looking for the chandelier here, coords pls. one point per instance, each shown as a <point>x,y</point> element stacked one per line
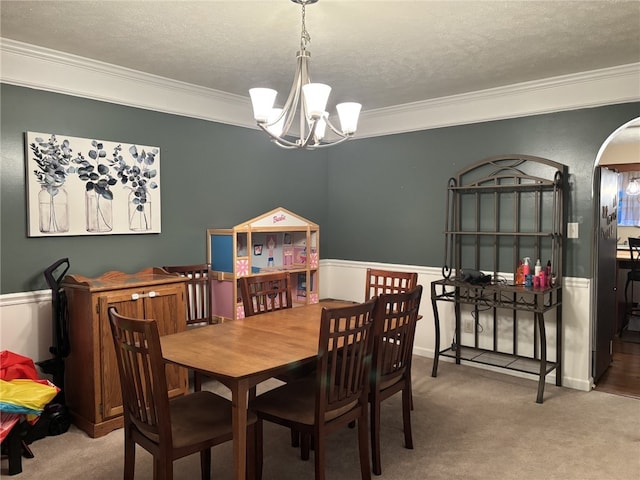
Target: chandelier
<point>307,101</point>
<point>633,188</point>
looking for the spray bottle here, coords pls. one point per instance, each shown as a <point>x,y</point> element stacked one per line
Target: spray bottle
<point>526,266</point>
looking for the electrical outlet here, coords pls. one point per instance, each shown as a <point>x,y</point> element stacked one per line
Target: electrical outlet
<point>468,326</point>
<point>572,230</point>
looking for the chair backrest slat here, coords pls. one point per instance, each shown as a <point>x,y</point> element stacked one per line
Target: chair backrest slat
<point>265,293</point>
<point>388,281</point>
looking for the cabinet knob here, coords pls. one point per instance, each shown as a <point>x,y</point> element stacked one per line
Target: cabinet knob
<point>137,296</point>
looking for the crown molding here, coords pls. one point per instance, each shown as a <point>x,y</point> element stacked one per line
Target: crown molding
<point>595,88</point>
<point>23,64</point>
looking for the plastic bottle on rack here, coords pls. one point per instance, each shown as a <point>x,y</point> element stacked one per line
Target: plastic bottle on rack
<point>526,266</point>
<point>538,268</point>
<point>520,273</point>
<point>548,273</point>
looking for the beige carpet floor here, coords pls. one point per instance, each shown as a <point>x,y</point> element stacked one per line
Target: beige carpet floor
<point>468,424</point>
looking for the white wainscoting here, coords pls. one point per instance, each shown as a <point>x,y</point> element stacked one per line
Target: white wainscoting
<point>345,280</point>
<point>26,324</point>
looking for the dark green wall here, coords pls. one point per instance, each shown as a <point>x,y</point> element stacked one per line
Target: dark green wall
<point>213,176</point>
<point>378,199</point>
<point>387,194</point>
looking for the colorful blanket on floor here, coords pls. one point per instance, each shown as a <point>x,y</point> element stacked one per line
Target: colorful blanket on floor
<point>22,393</point>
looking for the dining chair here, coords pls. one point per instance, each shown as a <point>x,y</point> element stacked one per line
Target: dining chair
<point>391,364</point>
<point>198,291</point>
<point>332,398</point>
<point>379,281</point>
<point>169,429</point>
<point>633,275</point>
<point>265,293</point>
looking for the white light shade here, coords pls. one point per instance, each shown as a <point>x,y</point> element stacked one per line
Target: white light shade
<point>262,100</point>
<point>633,188</point>
<point>321,127</point>
<point>315,98</point>
<point>276,128</point>
<point>348,113</point>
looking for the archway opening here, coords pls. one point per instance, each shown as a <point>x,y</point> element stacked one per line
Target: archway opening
<point>618,156</point>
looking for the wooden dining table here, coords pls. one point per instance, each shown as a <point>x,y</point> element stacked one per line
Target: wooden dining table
<point>242,353</point>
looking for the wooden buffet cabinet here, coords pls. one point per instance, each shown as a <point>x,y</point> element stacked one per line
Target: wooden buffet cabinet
<point>92,384</point>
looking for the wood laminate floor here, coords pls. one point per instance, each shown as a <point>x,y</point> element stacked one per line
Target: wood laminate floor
<point>623,376</point>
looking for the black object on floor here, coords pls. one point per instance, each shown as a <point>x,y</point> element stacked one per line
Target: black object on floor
<point>60,349</point>
<point>14,447</point>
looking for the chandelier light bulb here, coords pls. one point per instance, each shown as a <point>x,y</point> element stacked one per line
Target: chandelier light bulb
<point>321,126</point>
<point>262,100</point>
<point>348,113</point>
<point>316,96</point>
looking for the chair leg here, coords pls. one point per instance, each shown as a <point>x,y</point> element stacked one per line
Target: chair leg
<point>162,469</point>
<point>205,464</point>
<point>259,448</point>
<point>319,455</point>
<point>628,307</point>
<point>374,412</point>
<point>129,457</point>
<point>626,297</point>
<point>251,452</point>
<point>363,446</point>
<point>305,440</point>
<point>295,438</point>
<point>406,416</point>
<point>165,469</point>
<point>410,386</point>
<point>197,381</point>
<point>411,395</point>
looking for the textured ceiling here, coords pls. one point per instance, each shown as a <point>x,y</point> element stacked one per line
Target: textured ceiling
<point>381,53</point>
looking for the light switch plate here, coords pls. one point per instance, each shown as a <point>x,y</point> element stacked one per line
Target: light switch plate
<point>572,230</point>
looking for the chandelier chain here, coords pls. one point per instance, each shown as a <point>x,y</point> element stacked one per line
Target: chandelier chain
<point>305,38</point>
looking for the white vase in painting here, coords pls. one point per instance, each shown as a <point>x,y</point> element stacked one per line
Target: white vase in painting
<point>53,209</point>
<point>99,212</point>
<point>139,212</point>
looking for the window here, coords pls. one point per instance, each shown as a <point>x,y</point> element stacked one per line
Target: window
<point>629,199</point>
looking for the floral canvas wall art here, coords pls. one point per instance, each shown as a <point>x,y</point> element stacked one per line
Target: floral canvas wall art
<point>81,186</point>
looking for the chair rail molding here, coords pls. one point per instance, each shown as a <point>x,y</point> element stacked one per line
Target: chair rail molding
<point>26,323</point>
<point>69,74</point>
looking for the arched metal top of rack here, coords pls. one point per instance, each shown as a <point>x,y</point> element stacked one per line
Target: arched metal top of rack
<point>506,173</point>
